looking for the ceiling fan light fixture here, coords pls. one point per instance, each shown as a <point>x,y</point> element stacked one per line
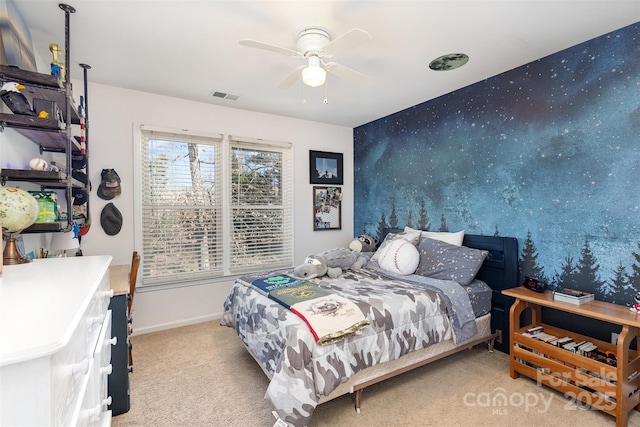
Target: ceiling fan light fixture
<point>314,75</point>
<point>315,45</point>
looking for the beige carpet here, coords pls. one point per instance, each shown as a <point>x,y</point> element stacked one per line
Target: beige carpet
<point>201,375</point>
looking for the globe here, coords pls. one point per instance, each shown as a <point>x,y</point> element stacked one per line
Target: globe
<point>18,209</point>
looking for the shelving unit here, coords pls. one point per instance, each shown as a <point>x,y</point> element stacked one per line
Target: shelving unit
<point>611,389</point>
<point>50,134</point>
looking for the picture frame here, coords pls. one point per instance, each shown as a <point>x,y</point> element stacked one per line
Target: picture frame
<point>327,208</point>
<point>325,168</point>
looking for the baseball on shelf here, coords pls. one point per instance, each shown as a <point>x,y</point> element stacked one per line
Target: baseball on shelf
<point>37,164</point>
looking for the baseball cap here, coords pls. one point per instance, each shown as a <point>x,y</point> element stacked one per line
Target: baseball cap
<point>80,195</point>
<point>110,184</point>
<point>111,219</point>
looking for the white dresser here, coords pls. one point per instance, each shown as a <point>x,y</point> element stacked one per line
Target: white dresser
<point>55,342</point>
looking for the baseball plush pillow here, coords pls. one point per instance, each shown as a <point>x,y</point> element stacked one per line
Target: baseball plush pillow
<point>399,257</point>
<point>412,237</point>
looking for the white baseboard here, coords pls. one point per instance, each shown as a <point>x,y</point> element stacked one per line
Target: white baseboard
<point>176,324</point>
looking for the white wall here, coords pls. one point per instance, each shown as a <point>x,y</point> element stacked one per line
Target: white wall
<point>15,153</point>
<point>113,112</point>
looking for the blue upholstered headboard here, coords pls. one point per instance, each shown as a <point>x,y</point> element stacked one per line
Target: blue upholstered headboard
<point>499,271</point>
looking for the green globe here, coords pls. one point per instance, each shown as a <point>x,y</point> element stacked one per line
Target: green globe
<point>18,209</point>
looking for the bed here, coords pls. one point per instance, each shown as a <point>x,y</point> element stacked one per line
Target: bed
<point>412,320</point>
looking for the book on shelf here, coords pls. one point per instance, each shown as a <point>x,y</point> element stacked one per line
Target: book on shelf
<point>563,341</point>
<point>588,349</point>
<point>570,346</point>
<point>544,337</point>
<point>572,296</point>
<point>576,348</point>
<point>536,330</point>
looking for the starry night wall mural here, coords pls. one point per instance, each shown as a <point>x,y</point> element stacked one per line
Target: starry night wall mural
<point>548,153</point>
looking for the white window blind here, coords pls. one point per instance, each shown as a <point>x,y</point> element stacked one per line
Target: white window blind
<point>261,206</point>
<point>212,206</point>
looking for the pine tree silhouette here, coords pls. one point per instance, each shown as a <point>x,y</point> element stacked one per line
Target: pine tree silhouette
<point>634,276</point>
<point>393,218</point>
<point>423,218</point>
<point>587,271</point>
<point>382,225</point>
<point>623,290</point>
<point>567,276</point>
<point>529,260</point>
<point>410,220</point>
<point>443,224</point>
<point>497,232</point>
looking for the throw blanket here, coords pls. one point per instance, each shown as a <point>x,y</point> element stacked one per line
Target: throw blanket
<point>330,317</point>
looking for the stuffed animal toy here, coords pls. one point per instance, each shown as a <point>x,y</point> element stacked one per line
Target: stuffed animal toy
<point>364,243</point>
<point>636,307</point>
<point>330,263</point>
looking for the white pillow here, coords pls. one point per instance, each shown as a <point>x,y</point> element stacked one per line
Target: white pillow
<point>451,238</point>
<point>399,256</point>
<point>409,234</point>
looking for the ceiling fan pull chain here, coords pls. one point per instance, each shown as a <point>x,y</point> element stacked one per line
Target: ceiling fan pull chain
<point>326,94</point>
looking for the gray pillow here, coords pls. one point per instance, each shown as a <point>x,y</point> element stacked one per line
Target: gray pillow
<point>442,260</point>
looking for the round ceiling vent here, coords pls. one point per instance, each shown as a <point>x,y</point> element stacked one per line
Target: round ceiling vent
<point>448,62</point>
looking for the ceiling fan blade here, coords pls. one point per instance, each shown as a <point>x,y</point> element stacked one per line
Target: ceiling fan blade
<point>347,73</point>
<point>270,47</point>
<point>290,78</point>
<point>352,38</point>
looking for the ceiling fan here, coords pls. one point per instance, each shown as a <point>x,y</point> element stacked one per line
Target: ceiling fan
<point>315,45</point>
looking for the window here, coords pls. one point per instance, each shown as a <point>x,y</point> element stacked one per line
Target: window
<point>212,205</point>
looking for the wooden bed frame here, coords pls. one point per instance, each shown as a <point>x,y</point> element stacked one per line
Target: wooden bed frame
<point>499,271</point>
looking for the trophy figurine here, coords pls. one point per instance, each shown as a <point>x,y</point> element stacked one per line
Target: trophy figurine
<point>57,68</point>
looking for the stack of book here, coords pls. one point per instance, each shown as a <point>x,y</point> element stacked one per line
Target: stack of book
<point>572,296</point>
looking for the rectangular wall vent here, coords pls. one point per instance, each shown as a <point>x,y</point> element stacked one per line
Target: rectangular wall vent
<point>223,95</point>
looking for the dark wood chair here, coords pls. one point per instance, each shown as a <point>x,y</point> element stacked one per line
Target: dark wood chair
<point>133,278</point>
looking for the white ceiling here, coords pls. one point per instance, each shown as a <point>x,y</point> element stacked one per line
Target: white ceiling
<point>189,49</point>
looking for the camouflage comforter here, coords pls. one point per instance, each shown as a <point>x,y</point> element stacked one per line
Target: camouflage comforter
<point>403,317</point>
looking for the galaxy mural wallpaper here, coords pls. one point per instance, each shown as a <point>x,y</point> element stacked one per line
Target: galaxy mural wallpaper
<point>548,153</point>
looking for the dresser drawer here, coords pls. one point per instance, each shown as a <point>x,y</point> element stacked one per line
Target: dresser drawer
<point>70,371</point>
<point>97,310</point>
<point>95,401</point>
<point>73,366</point>
<point>103,364</point>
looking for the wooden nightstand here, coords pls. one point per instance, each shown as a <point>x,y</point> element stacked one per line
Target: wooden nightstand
<point>612,389</point>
